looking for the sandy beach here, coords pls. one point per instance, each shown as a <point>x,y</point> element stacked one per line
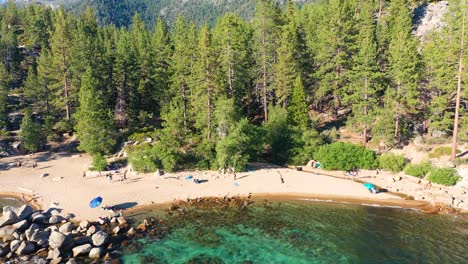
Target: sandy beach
<point>64,186</point>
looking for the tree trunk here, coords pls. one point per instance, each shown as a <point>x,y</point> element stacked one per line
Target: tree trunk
<point>184,99</point>
<point>230,73</point>
<point>380,8</point>
<point>366,112</point>
<point>459,87</point>
<point>265,100</point>
<point>397,114</point>
<point>66,92</point>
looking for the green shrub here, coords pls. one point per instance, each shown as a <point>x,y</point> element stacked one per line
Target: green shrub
<point>143,158</point>
<point>345,156</point>
<point>441,151</point>
<point>392,162</point>
<point>419,170</point>
<point>99,163</point>
<point>445,176</point>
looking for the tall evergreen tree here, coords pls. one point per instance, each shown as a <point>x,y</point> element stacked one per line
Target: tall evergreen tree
<point>403,63</point>
<point>364,76</point>
<point>59,70</point>
<point>266,24</point>
<point>297,109</point>
<point>97,138</point>
<point>334,42</point>
<point>232,37</point>
<point>285,69</point>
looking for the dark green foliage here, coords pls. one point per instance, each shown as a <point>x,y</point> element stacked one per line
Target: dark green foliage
<point>94,127</point>
<point>445,176</point>
<point>99,162</point>
<point>305,147</point>
<point>297,108</point>
<point>3,96</point>
<point>345,156</point>
<point>144,158</point>
<point>32,133</point>
<point>392,162</point>
<point>278,135</point>
<point>239,147</point>
<point>419,170</point>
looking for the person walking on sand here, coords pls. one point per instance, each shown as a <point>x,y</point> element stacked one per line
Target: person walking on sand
<point>84,174</point>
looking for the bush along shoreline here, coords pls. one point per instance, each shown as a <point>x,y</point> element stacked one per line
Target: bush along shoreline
<point>37,236</point>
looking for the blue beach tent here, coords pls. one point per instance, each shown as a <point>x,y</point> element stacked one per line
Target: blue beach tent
<point>369,185</point>
<point>95,202</point>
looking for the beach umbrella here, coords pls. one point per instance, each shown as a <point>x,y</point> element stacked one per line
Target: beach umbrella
<point>369,185</point>
<point>95,202</point>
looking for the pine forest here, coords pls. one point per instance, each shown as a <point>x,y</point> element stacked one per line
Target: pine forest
<point>273,88</point>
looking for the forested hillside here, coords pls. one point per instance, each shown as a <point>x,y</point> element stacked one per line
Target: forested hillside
<point>120,12</point>
<point>274,88</point>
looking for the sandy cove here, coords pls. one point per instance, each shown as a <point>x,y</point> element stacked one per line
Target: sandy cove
<point>65,187</point>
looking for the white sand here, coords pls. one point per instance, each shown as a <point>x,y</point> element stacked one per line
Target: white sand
<point>66,187</point>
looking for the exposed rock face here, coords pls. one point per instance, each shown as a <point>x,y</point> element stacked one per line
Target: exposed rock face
<point>428,17</point>
<point>83,249</point>
<point>100,238</point>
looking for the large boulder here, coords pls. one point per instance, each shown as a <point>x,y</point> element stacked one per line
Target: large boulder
<point>7,231</point>
<point>56,240</point>
<point>99,238</point>
<point>80,250</point>
<point>55,219</point>
<point>40,218</point>
<point>96,253</point>
<point>9,216</point>
<point>21,225</point>
<point>66,228</point>
<point>24,212</point>
<point>25,248</point>
<point>39,235</point>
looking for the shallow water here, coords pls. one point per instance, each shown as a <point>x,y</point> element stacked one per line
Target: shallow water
<point>305,232</point>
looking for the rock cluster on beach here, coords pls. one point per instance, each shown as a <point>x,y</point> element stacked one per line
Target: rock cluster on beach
<point>37,236</point>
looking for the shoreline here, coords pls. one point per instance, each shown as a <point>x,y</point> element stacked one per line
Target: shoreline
<point>22,197</point>
<point>285,197</point>
<point>58,182</point>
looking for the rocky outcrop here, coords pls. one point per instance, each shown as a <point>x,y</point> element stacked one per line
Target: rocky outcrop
<point>429,17</point>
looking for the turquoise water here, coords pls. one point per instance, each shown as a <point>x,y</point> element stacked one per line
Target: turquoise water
<point>305,232</point>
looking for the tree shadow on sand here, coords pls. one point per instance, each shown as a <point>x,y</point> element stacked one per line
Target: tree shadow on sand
<point>125,206</point>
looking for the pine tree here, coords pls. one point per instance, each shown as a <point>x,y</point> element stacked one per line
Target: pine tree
<point>181,67</point>
<point>97,138</point>
<point>231,37</point>
<point>32,133</point>
<point>297,109</point>
<point>266,24</point>
<point>206,86</point>
<point>285,68</point>
<point>364,76</point>
<point>403,63</point>
<point>334,41</point>
<point>59,70</point>
<point>161,44</point>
